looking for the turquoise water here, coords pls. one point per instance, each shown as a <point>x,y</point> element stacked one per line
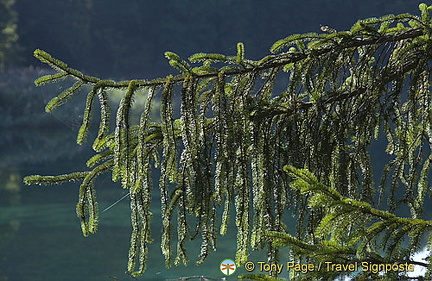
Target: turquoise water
<point>45,240</point>
<point>40,235</point>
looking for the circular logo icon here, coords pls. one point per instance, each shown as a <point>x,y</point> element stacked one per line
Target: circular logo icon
<point>228,267</point>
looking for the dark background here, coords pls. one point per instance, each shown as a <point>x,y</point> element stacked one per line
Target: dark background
<point>128,38</point>
<point>40,237</point>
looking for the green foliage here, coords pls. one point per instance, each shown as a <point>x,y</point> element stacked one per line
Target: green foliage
<point>350,231</point>
<point>236,131</point>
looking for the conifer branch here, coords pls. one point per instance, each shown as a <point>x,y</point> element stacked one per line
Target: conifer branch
<point>338,208</point>
<point>268,62</point>
<point>238,135</point>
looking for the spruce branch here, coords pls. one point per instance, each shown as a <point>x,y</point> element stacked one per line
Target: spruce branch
<point>238,136</point>
<point>374,223</point>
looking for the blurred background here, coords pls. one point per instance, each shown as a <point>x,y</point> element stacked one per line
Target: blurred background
<point>40,236</point>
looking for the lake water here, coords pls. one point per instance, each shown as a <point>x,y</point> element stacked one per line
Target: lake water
<point>42,240</point>
<point>40,235</point>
